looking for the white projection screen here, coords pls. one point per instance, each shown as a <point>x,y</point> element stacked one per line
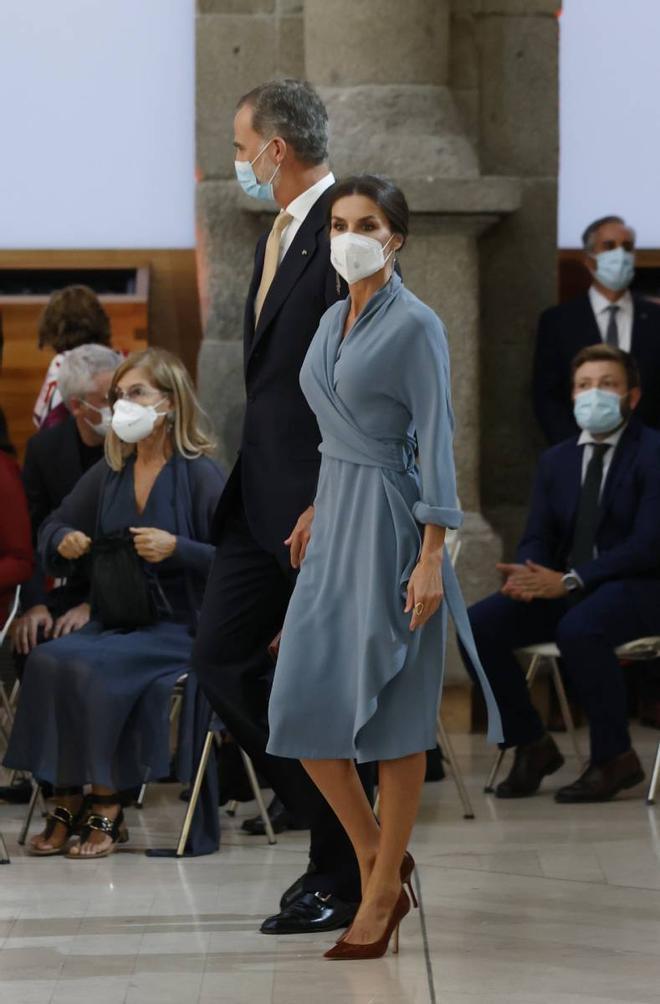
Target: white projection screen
<point>98,121</point>
<point>97,117</point>
<point>610,123</point>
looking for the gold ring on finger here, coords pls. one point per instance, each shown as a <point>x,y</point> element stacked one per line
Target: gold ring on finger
<point>419,609</point>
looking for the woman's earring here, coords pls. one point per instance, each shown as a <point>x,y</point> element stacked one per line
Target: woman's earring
<point>338,283</point>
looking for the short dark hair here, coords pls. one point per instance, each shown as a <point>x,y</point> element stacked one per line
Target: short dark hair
<point>609,354</point>
<point>293,110</point>
<point>383,192</point>
<point>73,316</point>
<point>593,228</point>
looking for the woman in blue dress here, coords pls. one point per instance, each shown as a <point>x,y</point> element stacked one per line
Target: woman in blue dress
<point>93,707</point>
<point>360,663</point>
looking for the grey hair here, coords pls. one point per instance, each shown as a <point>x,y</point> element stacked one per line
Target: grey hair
<point>80,366</point>
<point>293,110</point>
<point>590,233</point>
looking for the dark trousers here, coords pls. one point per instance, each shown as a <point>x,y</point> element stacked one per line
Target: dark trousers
<point>586,634</point>
<point>244,606</point>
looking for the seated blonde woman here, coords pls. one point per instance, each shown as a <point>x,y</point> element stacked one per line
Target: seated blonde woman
<point>87,714</point>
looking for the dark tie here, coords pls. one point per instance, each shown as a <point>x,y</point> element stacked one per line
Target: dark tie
<point>584,535</point>
<point>612,332</point>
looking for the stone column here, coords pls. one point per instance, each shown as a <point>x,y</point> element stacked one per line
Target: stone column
<point>382,68</point>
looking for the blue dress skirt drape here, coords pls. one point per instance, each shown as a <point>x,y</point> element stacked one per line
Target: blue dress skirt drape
<point>351,680</point>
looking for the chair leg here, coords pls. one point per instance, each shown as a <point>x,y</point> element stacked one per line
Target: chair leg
<point>194,794</point>
<point>655,777</point>
<point>5,703</point>
<point>232,807</point>
<point>566,715</point>
<point>4,853</point>
<point>489,787</point>
<point>448,751</point>
<point>36,792</point>
<point>139,801</point>
<point>261,805</point>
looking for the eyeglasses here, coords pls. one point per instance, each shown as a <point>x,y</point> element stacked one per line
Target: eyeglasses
<point>137,394</point>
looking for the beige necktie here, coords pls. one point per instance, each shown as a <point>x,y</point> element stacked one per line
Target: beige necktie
<point>271,261</point>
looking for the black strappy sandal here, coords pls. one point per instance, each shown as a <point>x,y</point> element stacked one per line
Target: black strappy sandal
<point>113,828</point>
<point>65,817</point>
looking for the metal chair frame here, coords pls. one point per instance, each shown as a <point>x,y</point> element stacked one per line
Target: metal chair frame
<point>639,650</point>
<point>214,735</point>
<point>655,778</point>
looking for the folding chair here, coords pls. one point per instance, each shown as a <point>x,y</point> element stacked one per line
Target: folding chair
<point>639,650</point>
<point>5,703</point>
<point>214,734</point>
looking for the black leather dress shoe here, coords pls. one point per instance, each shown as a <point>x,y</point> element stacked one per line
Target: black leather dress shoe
<point>281,820</point>
<point>601,783</point>
<point>294,892</point>
<point>531,764</point>
<point>310,912</point>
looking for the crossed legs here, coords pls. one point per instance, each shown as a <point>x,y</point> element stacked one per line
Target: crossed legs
<point>379,847</point>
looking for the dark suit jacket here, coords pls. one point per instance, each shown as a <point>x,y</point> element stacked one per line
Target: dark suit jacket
<point>51,469</point>
<point>277,470</point>
<point>628,534</point>
<point>566,329</point>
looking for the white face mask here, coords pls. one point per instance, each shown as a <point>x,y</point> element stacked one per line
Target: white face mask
<point>356,257</point>
<point>100,428</point>
<point>133,422</point>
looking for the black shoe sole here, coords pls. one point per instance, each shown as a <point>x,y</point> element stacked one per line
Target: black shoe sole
<point>315,929</point>
<point>629,782</point>
<point>550,768</point>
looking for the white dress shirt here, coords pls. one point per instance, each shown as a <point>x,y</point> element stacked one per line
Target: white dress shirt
<point>587,440</point>
<point>300,208</point>
<point>624,315</point>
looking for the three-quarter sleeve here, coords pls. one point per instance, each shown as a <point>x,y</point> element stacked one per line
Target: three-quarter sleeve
<point>427,394</point>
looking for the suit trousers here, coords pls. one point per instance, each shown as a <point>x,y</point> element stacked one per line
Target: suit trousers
<point>246,599</point>
<point>586,634</point>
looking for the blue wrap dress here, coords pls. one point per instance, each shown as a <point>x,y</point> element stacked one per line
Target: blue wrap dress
<point>352,680</point>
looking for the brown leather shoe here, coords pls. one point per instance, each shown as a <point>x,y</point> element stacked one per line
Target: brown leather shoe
<point>601,783</point>
<point>531,764</point>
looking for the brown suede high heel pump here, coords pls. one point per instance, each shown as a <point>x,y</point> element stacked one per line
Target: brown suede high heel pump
<point>407,869</point>
<point>375,949</point>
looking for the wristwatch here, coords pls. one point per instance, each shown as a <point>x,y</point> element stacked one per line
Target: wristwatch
<point>571,582</point>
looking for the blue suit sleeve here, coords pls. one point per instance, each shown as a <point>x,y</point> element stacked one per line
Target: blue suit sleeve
<point>427,394</point>
<point>539,540</point>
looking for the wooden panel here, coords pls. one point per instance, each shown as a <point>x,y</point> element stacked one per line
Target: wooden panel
<point>170,319</point>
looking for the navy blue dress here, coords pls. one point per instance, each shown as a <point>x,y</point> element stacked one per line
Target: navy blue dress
<point>94,705</point>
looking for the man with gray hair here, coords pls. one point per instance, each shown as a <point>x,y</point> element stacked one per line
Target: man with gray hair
<point>281,151</point>
<point>607,313</point>
<point>55,459</point>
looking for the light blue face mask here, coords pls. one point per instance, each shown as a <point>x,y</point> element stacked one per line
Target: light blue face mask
<point>249,182</point>
<point>598,411</point>
<point>615,269</point>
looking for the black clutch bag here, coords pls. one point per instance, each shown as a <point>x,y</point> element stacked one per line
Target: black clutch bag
<point>121,595</point>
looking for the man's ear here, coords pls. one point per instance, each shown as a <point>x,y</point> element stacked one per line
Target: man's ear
<point>634,397</point>
<point>74,405</point>
<point>589,261</point>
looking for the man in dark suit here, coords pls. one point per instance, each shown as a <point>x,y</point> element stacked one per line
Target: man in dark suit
<point>55,460</point>
<point>587,576</point>
<point>281,149</point>
<point>607,314</point>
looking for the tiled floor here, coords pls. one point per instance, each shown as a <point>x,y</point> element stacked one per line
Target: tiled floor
<point>531,903</point>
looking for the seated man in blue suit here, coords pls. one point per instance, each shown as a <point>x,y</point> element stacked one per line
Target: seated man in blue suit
<point>587,575</point>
